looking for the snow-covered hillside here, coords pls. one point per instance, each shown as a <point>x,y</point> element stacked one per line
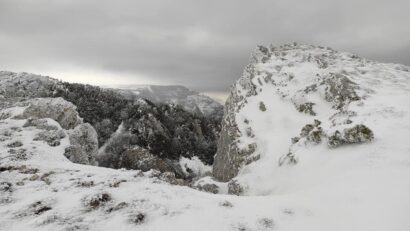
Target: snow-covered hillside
<point>40,189</point>
<point>312,139</point>
<point>301,115</point>
<point>191,101</point>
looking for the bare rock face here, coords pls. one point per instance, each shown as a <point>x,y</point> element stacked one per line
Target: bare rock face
<point>58,109</point>
<point>229,158</point>
<point>83,144</point>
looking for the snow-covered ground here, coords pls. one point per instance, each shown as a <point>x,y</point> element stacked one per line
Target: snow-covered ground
<point>364,190</point>
<point>48,192</point>
<point>363,187</point>
<point>356,169</point>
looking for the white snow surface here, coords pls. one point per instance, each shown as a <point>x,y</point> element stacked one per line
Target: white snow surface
<point>364,187</point>
<point>355,170</point>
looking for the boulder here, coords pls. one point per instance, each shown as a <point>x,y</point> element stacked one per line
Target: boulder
<point>57,109</point>
<point>83,144</point>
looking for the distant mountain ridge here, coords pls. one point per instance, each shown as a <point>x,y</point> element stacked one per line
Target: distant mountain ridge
<point>190,100</point>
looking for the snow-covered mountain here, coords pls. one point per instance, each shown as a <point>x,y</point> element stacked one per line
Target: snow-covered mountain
<point>312,139</point>
<point>190,100</point>
<point>302,114</point>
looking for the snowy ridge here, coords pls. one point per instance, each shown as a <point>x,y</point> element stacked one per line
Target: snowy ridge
<point>281,94</point>
<point>190,100</point>
<point>25,84</point>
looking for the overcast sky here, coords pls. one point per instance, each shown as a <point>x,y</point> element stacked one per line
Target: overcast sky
<point>203,44</point>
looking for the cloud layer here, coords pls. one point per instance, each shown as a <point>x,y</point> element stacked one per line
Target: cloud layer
<point>203,44</point>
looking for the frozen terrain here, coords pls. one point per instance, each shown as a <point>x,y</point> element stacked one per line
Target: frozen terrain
<point>315,182</point>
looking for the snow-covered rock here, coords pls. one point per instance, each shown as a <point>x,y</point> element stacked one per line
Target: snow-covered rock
<point>83,147</point>
<point>55,122</point>
<point>194,166</point>
<point>26,85</point>
<point>65,113</point>
<point>299,110</point>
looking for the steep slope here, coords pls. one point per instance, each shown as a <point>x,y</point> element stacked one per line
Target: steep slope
<point>303,115</point>
<point>190,100</point>
<point>165,130</point>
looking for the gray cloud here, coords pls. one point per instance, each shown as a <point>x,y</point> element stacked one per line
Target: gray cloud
<point>203,44</point>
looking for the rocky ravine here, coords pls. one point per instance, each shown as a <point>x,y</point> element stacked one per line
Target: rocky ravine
<point>132,133</point>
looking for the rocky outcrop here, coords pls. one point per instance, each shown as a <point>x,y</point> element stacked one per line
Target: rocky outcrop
<point>229,157</point>
<point>354,135</point>
<point>340,90</point>
<point>58,109</point>
<point>83,144</point>
<point>83,139</point>
<point>320,83</point>
<point>26,85</point>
